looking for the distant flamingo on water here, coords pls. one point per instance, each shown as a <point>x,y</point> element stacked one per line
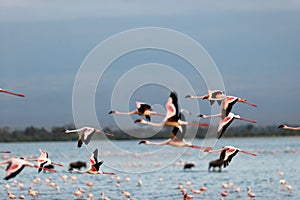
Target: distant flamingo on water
<point>16,165</point>
<point>283,126</point>
<point>176,140</point>
<point>228,152</point>
<point>44,160</point>
<point>173,115</point>
<point>94,166</point>
<point>143,109</point>
<point>212,96</point>
<point>85,134</point>
<point>12,93</point>
<point>249,193</point>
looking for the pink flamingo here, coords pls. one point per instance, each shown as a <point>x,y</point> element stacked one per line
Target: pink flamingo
<point>16,165</point>
<point>94,166</point>
<point>85,134</point>
<point>173,115</point>
<point>44,160</point>
<point>228,152</point>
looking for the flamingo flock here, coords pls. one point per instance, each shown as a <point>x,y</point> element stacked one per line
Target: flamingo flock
<point>173,117</point>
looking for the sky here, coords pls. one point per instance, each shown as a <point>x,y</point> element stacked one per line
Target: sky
<point>254,44</point>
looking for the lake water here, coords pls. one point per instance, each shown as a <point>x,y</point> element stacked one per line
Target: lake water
<point>159,170</point>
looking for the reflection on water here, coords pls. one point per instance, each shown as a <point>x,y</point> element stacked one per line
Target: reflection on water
<point>160,170</point>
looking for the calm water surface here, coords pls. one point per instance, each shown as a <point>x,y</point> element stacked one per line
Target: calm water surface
<point>160,171</point>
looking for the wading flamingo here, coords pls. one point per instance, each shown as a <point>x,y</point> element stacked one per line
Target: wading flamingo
<point>143,109</point>
<point>12,93</point>
<point>173,115</point>
<point>86,134</point>
<point>16,165</point>
<point>94,166</point>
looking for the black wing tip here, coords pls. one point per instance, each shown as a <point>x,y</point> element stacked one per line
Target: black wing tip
<point>79,144</point>
<point>148,118</point>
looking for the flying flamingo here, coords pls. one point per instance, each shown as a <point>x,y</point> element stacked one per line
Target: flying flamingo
<point>227,106</point>
<point>173,115</point>
<point>228,103</point>
<point>16,165</point>
<point>212,96</point>
<point>176,140</point>
<point>143,109</point>
<point>12,93</point>
<point>85,134</point>
<point>283,126</point>
<point>228,152</point>
<point>44,160</point>
<point>94,166</point>
<point>224,123</point>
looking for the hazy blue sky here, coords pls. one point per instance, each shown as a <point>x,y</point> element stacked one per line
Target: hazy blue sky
<point>255,44</point>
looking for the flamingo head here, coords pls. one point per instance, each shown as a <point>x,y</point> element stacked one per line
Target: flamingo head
<point>281,126</point>
<point>188,96</point>
<point>201,115</point>
<point>112,112</point>
<point>140,121</point>
<point>205,97</point>
<point>143,142</point>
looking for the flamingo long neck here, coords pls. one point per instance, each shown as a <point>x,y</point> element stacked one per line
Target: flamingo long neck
<point>126,113</point>
<point>211,116</point>
<point>292,128</point>
<point>73,131</point>
<point>198,97</point>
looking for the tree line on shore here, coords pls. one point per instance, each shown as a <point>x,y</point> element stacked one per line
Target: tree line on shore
<point>31,133</point>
